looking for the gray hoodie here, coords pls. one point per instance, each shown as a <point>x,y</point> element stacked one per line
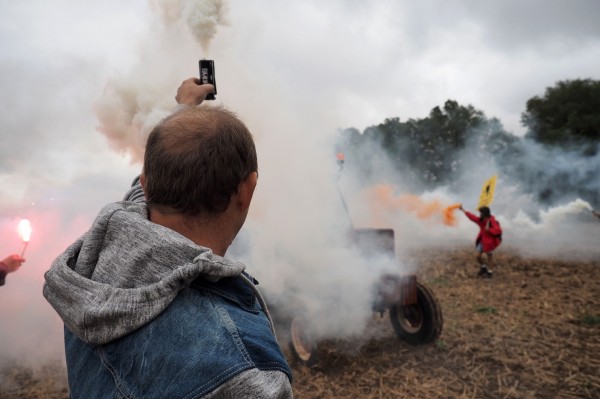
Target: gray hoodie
<point>125,271</point>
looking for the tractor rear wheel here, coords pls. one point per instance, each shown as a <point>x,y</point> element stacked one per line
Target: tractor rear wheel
<point>420,323</point>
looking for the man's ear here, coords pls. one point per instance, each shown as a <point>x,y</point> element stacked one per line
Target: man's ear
<point>246,191</point>
<point>143,183</point>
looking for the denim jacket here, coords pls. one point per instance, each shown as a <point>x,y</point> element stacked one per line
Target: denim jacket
<point>149,314</point>
<point>163,360</point>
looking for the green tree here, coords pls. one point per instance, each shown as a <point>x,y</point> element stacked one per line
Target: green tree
<point>434,143</point>
<point>427,150</point>
<point>569,113</point>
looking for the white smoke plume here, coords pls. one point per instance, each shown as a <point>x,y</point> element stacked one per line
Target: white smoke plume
<point>134,102</point>
<point>203,17</point>
<point>304,251</point>
<point>295,240</point>
<point>278,72</point>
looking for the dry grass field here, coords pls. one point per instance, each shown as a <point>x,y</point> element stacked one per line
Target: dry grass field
<point>533,331</point>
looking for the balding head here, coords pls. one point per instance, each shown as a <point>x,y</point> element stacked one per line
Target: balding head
<point>196,159</point>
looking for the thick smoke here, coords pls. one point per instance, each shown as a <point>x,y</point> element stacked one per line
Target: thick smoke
<point>292,97</point>
<point>134,102</point>
<point>544,199</point>
<point>203,17</point>
<point>296,240</point>
<point>556,175</point>
<point>31,332</point>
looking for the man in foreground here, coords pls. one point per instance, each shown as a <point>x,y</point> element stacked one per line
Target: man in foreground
<point>152,308</point>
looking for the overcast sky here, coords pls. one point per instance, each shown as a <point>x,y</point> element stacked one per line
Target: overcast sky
<point>338,63</point>
<point>292,70</point>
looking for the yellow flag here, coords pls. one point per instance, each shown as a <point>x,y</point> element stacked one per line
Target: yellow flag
<point>487,192</point>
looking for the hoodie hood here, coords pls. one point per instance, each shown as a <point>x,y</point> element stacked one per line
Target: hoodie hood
<point>124,272</point>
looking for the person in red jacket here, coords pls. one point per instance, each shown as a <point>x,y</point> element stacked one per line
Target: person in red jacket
<point>488,239</point>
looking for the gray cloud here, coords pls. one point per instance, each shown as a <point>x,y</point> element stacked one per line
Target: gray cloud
<point>515,24</point>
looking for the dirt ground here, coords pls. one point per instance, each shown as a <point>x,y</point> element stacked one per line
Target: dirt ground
<point>533,331</point>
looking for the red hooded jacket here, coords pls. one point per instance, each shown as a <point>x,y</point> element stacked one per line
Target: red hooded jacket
<point>490,238</point>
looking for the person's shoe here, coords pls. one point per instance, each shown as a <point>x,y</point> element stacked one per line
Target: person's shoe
<point>483,271</point>
<point>488,274</point>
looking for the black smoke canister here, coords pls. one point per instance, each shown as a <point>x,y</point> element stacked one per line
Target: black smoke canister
<point>207,75</point>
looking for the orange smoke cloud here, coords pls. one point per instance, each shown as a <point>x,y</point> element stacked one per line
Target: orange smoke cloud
<point>383,196</point>
<point>449,216</point>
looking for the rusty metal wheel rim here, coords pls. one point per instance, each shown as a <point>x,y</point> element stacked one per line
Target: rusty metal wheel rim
<point>300,342</point>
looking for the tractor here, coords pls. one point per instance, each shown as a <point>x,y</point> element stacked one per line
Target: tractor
<point>414,312</point>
